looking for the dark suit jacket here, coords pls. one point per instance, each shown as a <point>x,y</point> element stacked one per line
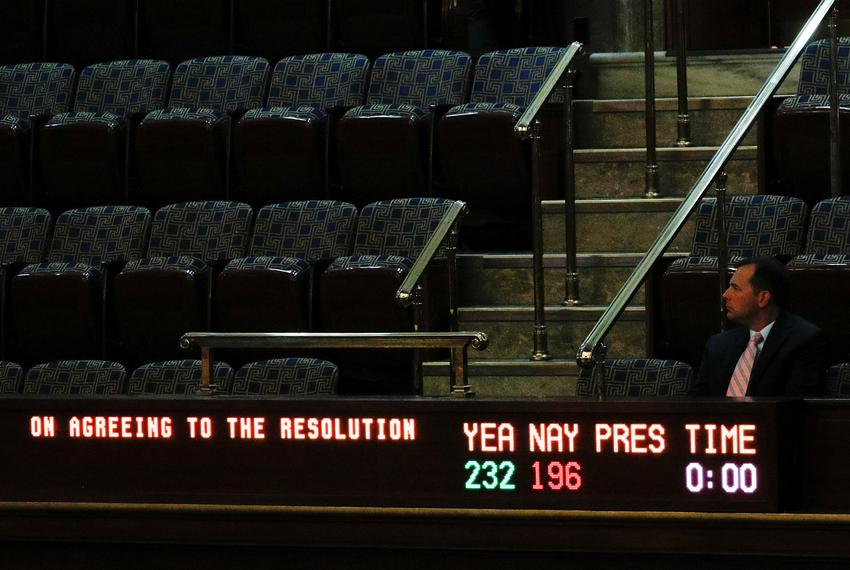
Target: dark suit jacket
<point>792,361</point>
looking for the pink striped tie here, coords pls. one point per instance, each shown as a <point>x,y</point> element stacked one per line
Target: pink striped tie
<point>741,376</point>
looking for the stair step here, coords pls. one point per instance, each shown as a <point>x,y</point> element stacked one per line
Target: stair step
<point>619,123</point>
<point>616,225</point>
<point>621,75</point>
<point>507,279</point>
<point>510,329</point>
<point>621,173</point>
<point>509,378</point>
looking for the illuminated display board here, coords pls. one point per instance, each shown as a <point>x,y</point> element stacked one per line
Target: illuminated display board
<point>694,456</point>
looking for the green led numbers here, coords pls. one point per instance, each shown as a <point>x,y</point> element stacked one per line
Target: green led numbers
<point>490,476</point>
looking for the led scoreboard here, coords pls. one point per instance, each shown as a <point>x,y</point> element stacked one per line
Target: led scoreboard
<point>635,455</point>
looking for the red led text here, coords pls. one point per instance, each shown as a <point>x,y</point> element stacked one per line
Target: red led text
<point>43,426</point>
<point>120,427</point>
<point>489,437</point>
<point>551,437</point>
<point>200,426</point>
<point>338,429</point>
<point>630,438</point>
<point>247,428</point>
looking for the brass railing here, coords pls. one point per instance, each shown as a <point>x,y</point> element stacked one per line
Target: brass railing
<point>528,127</point>
<point>410,291</point>
<point>457,342</point>
<point>593,350</point>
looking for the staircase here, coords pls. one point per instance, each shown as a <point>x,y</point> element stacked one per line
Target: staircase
<point>616,224</point>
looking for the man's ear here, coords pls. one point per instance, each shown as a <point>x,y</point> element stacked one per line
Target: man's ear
<point>764,298</point>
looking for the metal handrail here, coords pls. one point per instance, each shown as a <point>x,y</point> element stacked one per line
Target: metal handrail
<point>523,126</point>
<point>587,351</point>
<point>458,342</point>
<point>404,295</point>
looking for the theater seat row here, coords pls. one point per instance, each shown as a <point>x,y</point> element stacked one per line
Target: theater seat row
<point>106,290</point>
<point>317,132</point>
<point>683,299</point>
<point>98,378</point>
<point>655,378</point>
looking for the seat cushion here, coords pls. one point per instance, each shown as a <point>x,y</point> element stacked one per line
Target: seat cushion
<point>700,263</point>
<point>13,122</point>
<point>400,264</point>
<point>110,120</point>
<point>184,263</point>
<point>60,267</point>
<point>508,108</point>
<point>820,260</point>
<point>387,110</point>
<point>292,265</point>
<point>205,115</point>
<point>301,113</point>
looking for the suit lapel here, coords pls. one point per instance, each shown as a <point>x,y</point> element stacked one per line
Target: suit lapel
<point>777,337</point>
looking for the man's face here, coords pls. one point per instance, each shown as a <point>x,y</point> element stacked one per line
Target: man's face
<point>743,304</point>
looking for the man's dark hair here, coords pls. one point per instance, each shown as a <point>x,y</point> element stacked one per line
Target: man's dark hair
<point>770,275</point>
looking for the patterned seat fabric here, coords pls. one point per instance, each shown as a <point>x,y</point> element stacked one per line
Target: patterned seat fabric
<point>176,378</point>
<point>287,377</point>
<point>482,160</point>
<point>756,225</point>
<point>838,381</point>
<point>76,378</point>
<point>35,88</point>
<point>289,239</point>
<point>82,152</point>
<point>162,296</point>
<point>182,152</point>
<point>385,146</point>
<point>281,149</point>
<point>31,89</point>
<point>357,292</point>
<point>639,378</point>
<point>814,68</point>
<point>829,227</point>
<point>68,287</point>
<point>11,374</point>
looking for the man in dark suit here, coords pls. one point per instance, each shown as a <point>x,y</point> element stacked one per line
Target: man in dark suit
<point>774,353</point>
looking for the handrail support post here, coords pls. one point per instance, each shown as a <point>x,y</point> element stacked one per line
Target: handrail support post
<point>651,179</point>
<point>206,370</point>
<point>683,119</point>
<point>541,338</point>
<point>571,283</point>
<point>722,248</point>
<point>834,106</point>
<point>457,374</point>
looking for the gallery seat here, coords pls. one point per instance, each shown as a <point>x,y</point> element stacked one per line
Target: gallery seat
<point>287,377</point>
<point>637,378</point>
<point>76,378</point>
<point>176,378</point>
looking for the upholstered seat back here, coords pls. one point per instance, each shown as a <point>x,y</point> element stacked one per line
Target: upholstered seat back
<point>10,378</point>
<point>814,68</point>
<point>838,381</point>
<point>76,378</point>
<point>176,378</point>
<point>35,89</point>
<point>639,377</point>
<point>398,227</point>
<point>206,230</point>
<point>757,225</point>
<point>321,80</point>
<point>23,234</point>
<point>513,75</point>
<point>100,234</point>
<point>420,78</point>
<point>287,377</point>
<point>122,87</point>
<point>223,84</point>
<point>312,230</point>
<point>829,227</point>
